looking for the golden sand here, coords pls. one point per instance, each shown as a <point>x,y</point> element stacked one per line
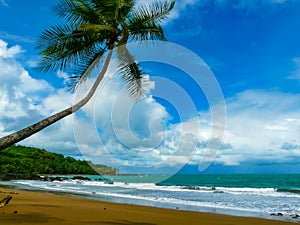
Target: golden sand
<point>28,207</point>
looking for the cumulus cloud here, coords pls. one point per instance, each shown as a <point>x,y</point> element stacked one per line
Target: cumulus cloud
<point>11,52</point>
<point>64,76</point>
<point>21,101</point>
<point>126,131</point>
<point>16,87</point>
<point>259,123</point>
<point>261,126</point>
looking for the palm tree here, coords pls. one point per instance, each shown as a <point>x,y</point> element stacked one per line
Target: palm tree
<point>91,29</point>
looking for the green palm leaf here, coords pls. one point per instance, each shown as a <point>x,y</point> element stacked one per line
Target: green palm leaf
<point>149,31</point>
<point>91,28</point>
<point>131,73</point>
<point>77,11</point>
<point>97,28</point>
<point>156,11</point>
<point>143,22</point>
<point>64,46</point>
<point>94,26</point>
<point>86,67</point>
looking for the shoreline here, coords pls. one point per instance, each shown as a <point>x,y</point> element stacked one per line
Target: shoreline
<point>37,207</point>
<point>115,197</point>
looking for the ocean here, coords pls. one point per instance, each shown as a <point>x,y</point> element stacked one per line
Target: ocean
<point>243,195</point>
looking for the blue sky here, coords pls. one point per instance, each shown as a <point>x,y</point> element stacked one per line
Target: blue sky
<point>252,49</point>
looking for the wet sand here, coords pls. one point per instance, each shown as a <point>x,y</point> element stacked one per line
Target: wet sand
<point>30,207</point>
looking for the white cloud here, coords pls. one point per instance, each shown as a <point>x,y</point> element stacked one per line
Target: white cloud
<point>261,125</point>
<point>29,84</point>
<point>114,115</point>
<point>32,63</point>
<point>21,101</point>
<point>63,75</point>
<point>11,52</point>
<point>258,125</point>
<point>10,109</point>
<point>118,133</point>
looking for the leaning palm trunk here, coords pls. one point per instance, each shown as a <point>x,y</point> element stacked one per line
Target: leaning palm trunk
<point>90,28</point>
<point>30,130</point>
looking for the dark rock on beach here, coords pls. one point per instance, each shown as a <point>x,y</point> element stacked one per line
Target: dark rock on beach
<point>57,178</point>
<point>51,179</point>
<point>199,188</point>
<point>81,178</point>
<point>276,214</point>
<point>295,216</point>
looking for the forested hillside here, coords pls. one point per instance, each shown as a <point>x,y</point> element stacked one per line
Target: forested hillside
<point>28,160</point>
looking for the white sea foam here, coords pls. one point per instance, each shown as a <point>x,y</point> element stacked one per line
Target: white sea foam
<point>256,200</point>
<point>271,192</point>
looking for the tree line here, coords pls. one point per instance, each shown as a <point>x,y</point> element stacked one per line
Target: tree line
<point>28,160</point>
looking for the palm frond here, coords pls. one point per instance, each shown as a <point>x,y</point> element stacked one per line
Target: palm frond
<point>91,27</point>
<point>106,8</point>
<point>77,11</point>
<point>131,73</point>
<point>86,67</point>
<point>144,22</point>
<point>64,46</point>
<point>157,11</point>
<point>124,35</point>
<point>126,6</point>
<point>114,10</point>
<point>96,28</point>
<point>148,31</point>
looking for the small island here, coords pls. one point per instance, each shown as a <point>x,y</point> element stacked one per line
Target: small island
<point>20,162</point>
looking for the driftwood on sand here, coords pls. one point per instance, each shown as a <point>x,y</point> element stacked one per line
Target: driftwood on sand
<point>5,201</point>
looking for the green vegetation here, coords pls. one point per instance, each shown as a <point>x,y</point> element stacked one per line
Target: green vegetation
<point>27,160</point>
<point>85,39</point>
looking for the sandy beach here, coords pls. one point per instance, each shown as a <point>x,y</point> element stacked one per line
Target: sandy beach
<point>27,207</point>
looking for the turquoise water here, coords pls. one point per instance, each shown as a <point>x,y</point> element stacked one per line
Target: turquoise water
<point>278,181</point>
<point>282,181</point>
<point>246,195</point>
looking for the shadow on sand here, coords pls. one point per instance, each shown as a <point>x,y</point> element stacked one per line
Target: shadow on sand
<point>32,218</point>
<point>120,222</point>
